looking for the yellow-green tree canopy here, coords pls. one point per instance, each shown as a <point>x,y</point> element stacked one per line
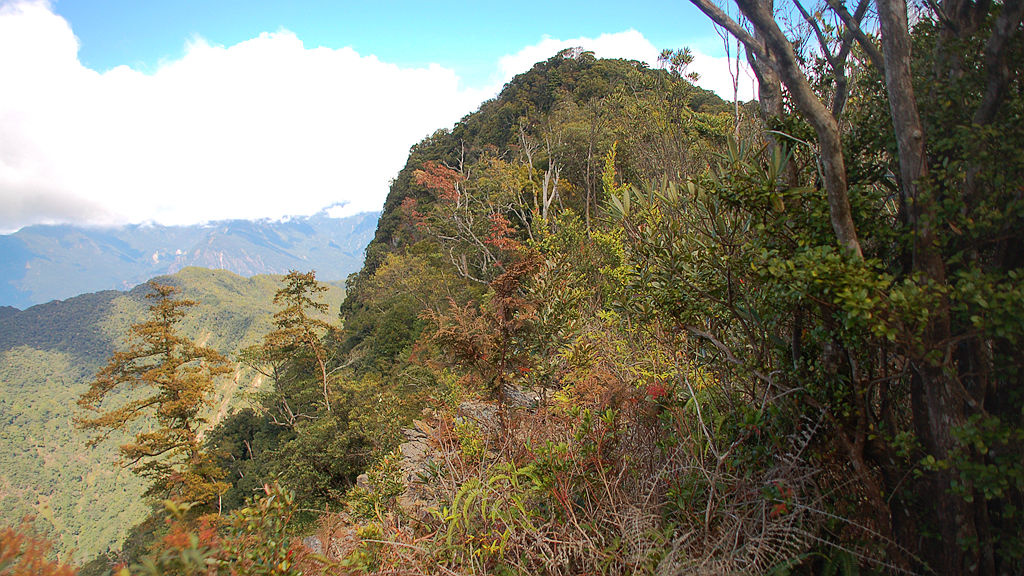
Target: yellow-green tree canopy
<point>166,379</point>
<point>298,334</point>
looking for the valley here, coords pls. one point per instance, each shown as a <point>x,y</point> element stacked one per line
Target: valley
<point>82,498</point>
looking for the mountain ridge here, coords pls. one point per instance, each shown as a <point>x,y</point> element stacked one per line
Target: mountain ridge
<point>55,262</point>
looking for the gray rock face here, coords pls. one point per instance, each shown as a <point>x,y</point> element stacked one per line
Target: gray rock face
<point>483,414</point>
<point>518,397</point>
<point>415,465</point>
<point>313,544</point>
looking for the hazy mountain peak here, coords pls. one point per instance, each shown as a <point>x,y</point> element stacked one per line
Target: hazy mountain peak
<point>48,262</point>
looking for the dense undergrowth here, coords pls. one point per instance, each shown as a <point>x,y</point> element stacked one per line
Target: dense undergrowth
<point>713,384</point>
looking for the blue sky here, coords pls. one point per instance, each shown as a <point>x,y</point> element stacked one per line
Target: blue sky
<point>466,36</point>
<point>182,112</point>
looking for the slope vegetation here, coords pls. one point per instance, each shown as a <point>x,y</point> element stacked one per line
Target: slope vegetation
<point>48,353</point>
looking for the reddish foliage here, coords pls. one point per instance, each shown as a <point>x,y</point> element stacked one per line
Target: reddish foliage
<point>502,234</point>
<point>22,554</point>
<point>657,390</point>
<point>483,339</point>
<point>410,215</point>
<point>439,179</point>
<point>785,496</point>
<point>180,532</point>
<point>177,538</point>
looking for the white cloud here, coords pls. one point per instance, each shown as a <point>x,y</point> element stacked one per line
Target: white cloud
<point>715,75</point>
<point>629,44</point>
<point>264,128</point>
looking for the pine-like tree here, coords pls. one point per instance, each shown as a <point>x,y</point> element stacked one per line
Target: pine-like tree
<point>167,379</point>
<point>298,336</point>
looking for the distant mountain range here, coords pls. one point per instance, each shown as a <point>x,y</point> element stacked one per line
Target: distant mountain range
<point>53,262</point>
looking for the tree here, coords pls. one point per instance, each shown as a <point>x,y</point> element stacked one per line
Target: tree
<point>947,78</point>
<point>677,61</point>
<point>166,379</point>
<point>297,336</point>
<point>772,55</point>
<point>471,217</point>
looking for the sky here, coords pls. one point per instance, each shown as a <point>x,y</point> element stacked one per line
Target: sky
<point>187,111</point>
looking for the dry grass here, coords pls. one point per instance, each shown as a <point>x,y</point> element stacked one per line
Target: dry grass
<point>588,491</point>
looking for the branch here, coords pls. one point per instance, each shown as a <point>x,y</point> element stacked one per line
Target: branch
<point>722,19</point>
<point>1005,29</point>
<point>820,117</point>
<point>822,41</point>
<point>848,33</point>
<point>853,25</point>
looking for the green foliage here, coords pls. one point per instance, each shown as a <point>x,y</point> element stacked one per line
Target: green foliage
<point>721,388</point>
<point>482,515</point>
<point>384,486</point>
<point>366,557</point>
<point>258,541</point>
<point>82,499</point>
<point>320,425</point>
<point>174,378</point>
<point>296,340</point>
<point>253,541</point>
<point>780,378</point>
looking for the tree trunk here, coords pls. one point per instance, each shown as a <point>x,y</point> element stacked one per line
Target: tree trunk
<point>777,50</point>
<point>937,406</point>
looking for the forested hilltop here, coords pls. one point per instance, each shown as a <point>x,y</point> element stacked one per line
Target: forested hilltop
<point>611,324</point>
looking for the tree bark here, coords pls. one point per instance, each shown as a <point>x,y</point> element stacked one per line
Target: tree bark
<point>937,406</point>
<point>820,117</point>
<point>778,50</point>
<point>1006,28</point>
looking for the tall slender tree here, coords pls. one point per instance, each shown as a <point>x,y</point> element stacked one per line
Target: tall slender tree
<point>166,380</point>
<point>297,337</point>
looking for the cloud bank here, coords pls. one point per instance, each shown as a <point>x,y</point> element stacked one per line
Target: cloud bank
<point>264,128</point>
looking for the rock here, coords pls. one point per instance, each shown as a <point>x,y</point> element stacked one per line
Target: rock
<point>423,427</point>
<point>313,544</point>
<point>483,414</point>
<point>363,481</point>
<point>520,398</point>
<point>413,450</point>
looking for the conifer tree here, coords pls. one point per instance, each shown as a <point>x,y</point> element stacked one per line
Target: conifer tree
<point>297,337</point>
<point>166,379</point>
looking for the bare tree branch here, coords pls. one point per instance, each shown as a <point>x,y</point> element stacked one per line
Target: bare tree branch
<point>722,19</point>
<point>853,25</point>
<point>820,117</point>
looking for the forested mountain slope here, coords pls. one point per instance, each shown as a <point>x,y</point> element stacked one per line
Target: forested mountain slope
<point>536,150</point>
<point>749,352</point>
<point>48,353</point>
